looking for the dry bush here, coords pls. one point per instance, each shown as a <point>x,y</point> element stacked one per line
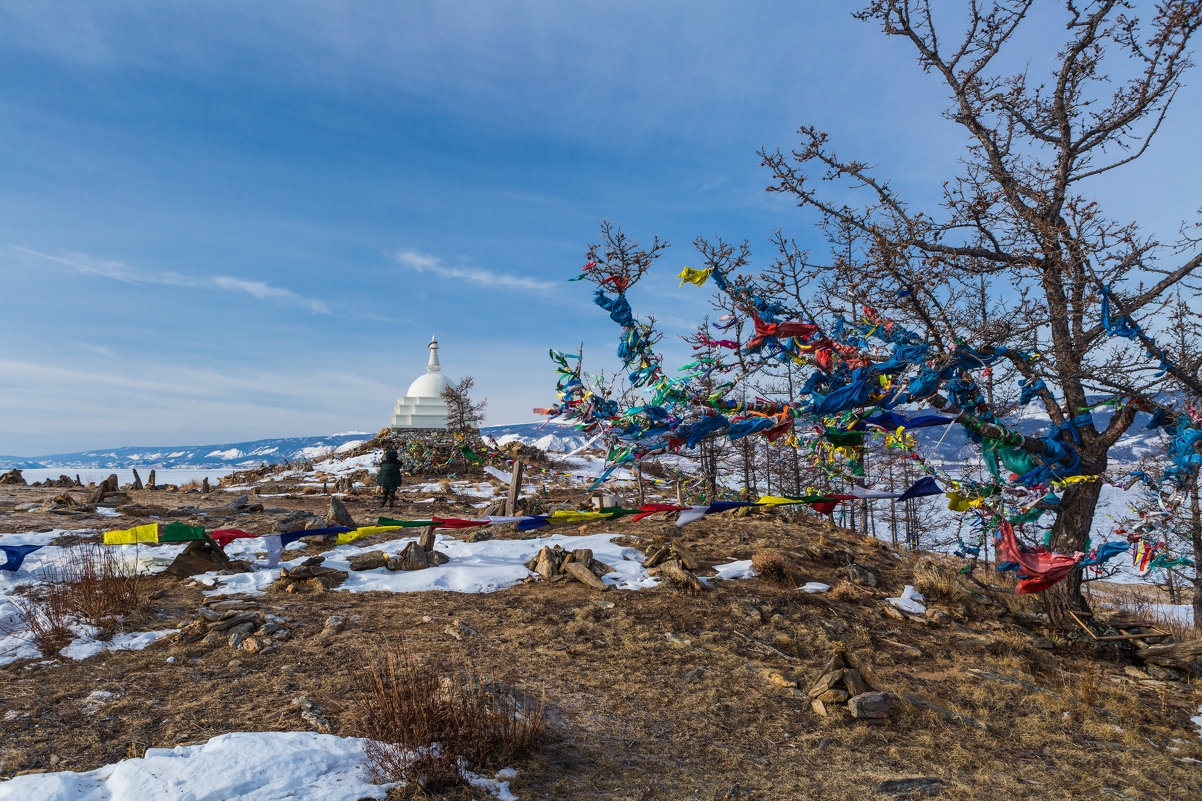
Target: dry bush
<point>775,568</point>
<point>936,582</point>
<point>423,721</point>
<point>91,585</point>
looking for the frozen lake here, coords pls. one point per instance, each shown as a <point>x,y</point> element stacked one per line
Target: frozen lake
<point>125,475</point>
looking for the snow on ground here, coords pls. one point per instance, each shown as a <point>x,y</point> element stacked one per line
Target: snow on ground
<point>1197,721</point>
<point>86,645</point>
<point>249,766</point>
<point>475,567</point>
<point>14,641</point>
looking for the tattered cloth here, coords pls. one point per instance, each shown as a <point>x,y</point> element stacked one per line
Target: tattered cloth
<point>1038,568</point>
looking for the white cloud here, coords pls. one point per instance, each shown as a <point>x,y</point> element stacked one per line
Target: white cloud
<point>264,291</point>
<point>425,263</point>
<point>126,274</point>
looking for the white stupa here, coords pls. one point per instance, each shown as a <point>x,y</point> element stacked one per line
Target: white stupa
<point>423,406</point>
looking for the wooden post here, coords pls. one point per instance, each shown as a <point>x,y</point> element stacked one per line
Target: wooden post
<point>137,480</point>
<point>638,477</point>
<point>679,495</point>
<point>515,488</point>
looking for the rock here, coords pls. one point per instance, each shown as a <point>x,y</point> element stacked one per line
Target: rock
<point>137,485</point>
<point>481,534</point>
<point>819,707</point>
<point>683,579</point>
<point>149,480</point>
<point>1164,673</point>
<point>13,477</point>
<point>425,538</point>
<point>236,637</point>
<point>938,616</point>
<point>694,674</point>
<point>309,575</point>
<point>312,713</point>
<point>946,714</point>
<point>232,619</point>
<point>253,645</point>
<point>859,575</point>
<point>205,489</point>
<point>115,498</point>
<point>459,630</point>
<point>825,682</point>
<point>142,510</point>
<point>854,682</point>
<point>546,563</point>
<point>339,516</point>
<point>333,625</point>
<point>677,640</point>
<point>925,786</point>
<point>192,631</point>
<point>298,521</point>
<point>581,556</point>
<point>438,558</point>
<point>599,568</point>
<point>872,705</point>
<point>368,561</point>
<point>199,556</point>
<point>97,495</point>
<point>585,576</point>
<point>688,559</point>
<point>412,558</point>
<point>65,499</point>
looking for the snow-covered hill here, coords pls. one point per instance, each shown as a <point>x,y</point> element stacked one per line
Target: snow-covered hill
<point>237,455</point>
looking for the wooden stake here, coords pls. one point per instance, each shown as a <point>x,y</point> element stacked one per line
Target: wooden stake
<point>515,488</point>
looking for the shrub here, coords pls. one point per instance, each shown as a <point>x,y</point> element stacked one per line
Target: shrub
<point>424,722</point>
<point>774,567</point>
<point>91,585</point>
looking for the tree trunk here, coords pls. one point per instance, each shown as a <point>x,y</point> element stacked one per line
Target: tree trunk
<point>1195,536</point>
<point>1069,535</point>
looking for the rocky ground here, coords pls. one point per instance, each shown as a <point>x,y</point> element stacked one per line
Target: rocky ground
<point>735,690</point>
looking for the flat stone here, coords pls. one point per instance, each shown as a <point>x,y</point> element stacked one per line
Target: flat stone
<point>585,576</point>
<point>368,561</point>
<point>925,786</point>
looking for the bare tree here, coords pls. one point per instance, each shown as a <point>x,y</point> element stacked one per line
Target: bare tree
<point>1019,214</point>
<point>463,414</point>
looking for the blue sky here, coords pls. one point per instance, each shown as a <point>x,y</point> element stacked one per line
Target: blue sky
<point>229,220</point>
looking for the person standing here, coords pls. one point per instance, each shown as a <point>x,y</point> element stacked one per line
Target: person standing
<point>389,477</point>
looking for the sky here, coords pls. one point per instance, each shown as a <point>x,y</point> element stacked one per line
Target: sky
<point>223,221</point>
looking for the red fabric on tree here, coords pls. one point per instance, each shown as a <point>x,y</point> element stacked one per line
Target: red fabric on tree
<point>765,330</point>
<point>1040,568</point>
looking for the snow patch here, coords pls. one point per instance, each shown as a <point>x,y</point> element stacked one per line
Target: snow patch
<point>249,766</point>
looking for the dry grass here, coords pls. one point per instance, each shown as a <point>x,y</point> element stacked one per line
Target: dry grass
<point>424,721</point>
<point>90,585</point>
<point>775,568</point>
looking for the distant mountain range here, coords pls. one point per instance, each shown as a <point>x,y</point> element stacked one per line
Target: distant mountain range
<point>240,455</point>
<point>945,444</point>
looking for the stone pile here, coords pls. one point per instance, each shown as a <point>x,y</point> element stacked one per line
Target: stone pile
<point>13,477</point>
<point>309,574</point>
<point>417,555</point>
<point>238,623</point>
<point>676,563</point>
<point>845,681</point>
<point>555,564</point>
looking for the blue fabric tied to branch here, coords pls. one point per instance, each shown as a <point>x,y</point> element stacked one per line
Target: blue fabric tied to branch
<point>903,356</point>
<point>1121,326</point>
<point>618,307</point>
<point>1030,390</point>
<point>753,425</point>
<point>925,384</point>
<point>855,393</point>
<point>1105,552</point>
<point>705,428</point>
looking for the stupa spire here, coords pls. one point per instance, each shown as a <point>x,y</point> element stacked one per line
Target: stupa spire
<point>433,366</point>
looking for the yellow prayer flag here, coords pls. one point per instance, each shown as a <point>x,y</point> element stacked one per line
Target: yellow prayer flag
<point>146,533</point>
<point>568,517</point>
<point>690,276</point>
<point>351,536</point>
<point>1064,482</point>
<point>961,503</point>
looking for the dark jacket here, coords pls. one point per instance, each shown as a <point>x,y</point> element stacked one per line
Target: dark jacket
<point>390,471</point>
